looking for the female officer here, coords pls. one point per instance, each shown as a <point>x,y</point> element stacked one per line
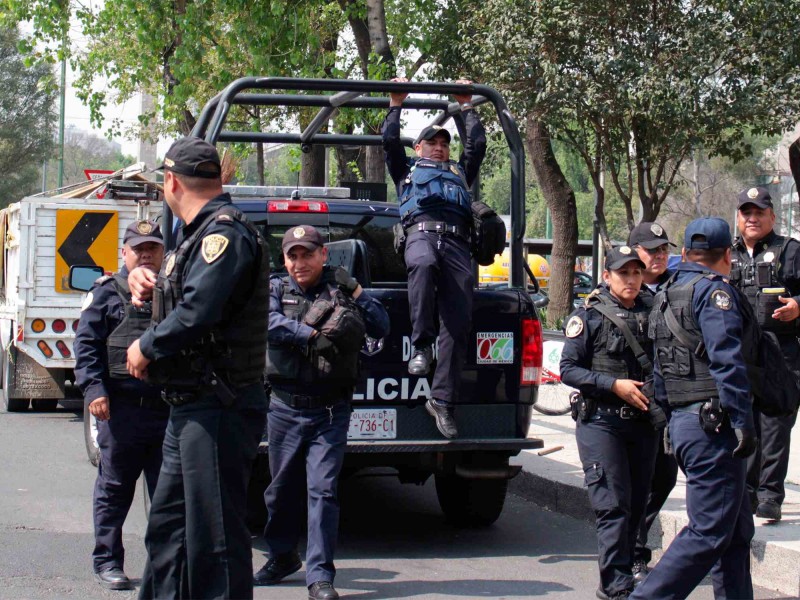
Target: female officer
<point>616,442</point>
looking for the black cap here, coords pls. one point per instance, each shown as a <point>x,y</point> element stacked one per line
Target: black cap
<point>431,131</point>
<point>140,232</point>
<point>759,196</point>
<point>620,256</point>
<point>188,154</point>
<point>707,233</point>
<point>302,235</point>
<point>648,235</point>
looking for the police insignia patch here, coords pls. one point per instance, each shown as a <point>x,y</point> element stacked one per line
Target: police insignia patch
<point>144,227</point>
<point>170,265</point>
<point>656,229</point>
<point>752,193</point>
<point>87,301</point>
<point>214,245</point>
<point>769,257</point>
<point>297,233</point>
<point>574,327</point>
<point>721,299</point>
<point>454,169</point>
<point>625,250</point>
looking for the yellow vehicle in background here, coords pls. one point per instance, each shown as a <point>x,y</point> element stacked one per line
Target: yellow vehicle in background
<point>497,272</point>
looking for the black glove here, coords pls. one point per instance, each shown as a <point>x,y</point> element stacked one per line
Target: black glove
<point>748,442</point>
<point>346,282</point>
<point>322,345</point>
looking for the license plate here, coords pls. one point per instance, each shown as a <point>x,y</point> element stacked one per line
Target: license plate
<point>373,424</point>
<point>582,295</point>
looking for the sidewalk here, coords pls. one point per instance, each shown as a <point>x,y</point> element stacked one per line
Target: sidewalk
<point>555,481</point>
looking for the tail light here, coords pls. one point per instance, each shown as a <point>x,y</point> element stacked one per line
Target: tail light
<point>37,325</point>
<point>59,326</point>
<point>297,206</point>
<point>532,353</point>
<point>45,349</point>
<point>63,349</point>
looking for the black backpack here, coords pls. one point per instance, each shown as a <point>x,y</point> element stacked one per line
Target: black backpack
<point>489,237</point>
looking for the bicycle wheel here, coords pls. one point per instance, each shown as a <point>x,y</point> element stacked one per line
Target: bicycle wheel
<point>553,399</point>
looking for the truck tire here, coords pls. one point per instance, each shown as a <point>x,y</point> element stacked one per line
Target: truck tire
<point>471,502</point>
<point>11,404</point>
<point>44,404</point>
<point>90,437</point>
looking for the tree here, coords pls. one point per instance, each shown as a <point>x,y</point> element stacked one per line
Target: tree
<point>27,119</point>
<point>635,86</point>
<point>83,150</point>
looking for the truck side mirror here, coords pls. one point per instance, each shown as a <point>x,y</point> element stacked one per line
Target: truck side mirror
<point>82,277</point>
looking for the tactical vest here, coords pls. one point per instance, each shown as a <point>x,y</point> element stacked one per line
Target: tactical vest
<point>134,323</point>
<point>435,185</point>
<point>288,366</point>
<point>754,275</point>
<point>235,349</point>
<point>611,353</point>
<point>686,374</point>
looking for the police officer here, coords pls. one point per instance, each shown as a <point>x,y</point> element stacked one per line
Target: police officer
<point>435,212</point>
<point>312,366</point>
<point>605,357</point>
<point>652,244</point>
<point>131,416</point>
<point>208,346</point>
<point>766,267</point>
<point>697,330</point>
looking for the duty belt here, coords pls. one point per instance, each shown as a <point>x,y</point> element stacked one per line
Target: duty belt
<point>140,401</point>
<point>174,398</point>
<point>439,227</point>
<point>307,402</point>
<point>623,411</point>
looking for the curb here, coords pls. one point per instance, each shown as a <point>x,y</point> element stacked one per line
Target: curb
<point>774,565</point>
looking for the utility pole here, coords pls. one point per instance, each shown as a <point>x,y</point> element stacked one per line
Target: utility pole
<point>62,111</point>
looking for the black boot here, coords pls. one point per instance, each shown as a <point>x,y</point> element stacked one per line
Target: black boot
<point>322,590</point>
<point>277,569</point>
<point>443,414</point>
<point>421,359</point>
<point>114,579</point>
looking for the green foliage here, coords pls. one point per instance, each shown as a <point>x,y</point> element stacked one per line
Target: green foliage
<point>641,83</point>
<point>27,119</point>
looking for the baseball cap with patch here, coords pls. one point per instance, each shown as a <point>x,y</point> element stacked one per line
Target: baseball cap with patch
<point>620,256</point>
<point>140,232</point>
<point>707,233</point>
<point>758,196</point>
<point>301,235</point>
<point>193,157</point>
<point>431,131</point>
<point>648,235</point>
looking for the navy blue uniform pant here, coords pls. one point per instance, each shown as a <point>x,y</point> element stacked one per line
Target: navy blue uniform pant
<point>717,538</point>
<point>306,452</point>
<point>440,277</point>
<point>665,475</point>
<point>198,543</point>
<point>617,457</point>
<point>767,468</point>
<point>130,443</point>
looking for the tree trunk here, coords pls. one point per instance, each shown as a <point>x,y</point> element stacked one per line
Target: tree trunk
<point>376,22</point>
<point>312,164</point>
<point>560,200</point>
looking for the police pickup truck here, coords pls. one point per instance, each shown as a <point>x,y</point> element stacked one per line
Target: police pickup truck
<point>389,427</point>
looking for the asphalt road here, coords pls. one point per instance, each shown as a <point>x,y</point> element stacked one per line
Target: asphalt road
<point>394,542</point>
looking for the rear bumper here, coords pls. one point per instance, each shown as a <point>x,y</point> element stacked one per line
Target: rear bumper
<point>512,446</point>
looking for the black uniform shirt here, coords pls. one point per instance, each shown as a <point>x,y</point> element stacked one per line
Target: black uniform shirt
<point>213,292</point>
<point>286,331</point>
<point>789,271</point>
<point>103,312</point>
<point>578,351</point>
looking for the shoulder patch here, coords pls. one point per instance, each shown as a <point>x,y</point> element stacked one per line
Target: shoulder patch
<point>87,301</point>
<point>213,247</point>
<point>224,218</point>
<point>721,299</point>
<point>574,327</point>
<point>170,266</point>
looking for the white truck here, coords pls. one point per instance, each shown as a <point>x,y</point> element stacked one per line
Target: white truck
<point>43,236</point>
